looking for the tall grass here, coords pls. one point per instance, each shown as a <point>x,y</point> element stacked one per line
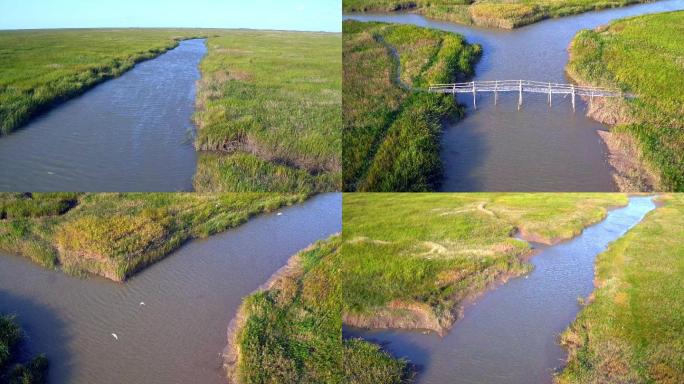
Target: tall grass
<point>633,329</point>
<point>643,56</point>
<point>492,13</point>
<point>116,235</point>
<point>41,68</point>
<point>33,371</point>
<point>391,126</point>
<point>268,106</point>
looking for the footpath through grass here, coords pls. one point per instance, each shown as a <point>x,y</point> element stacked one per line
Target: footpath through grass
<point>291,331</point>
<point>116,235</point>
<point>41,68</point>
<point>490,13</point>
<point>633,329</point>
<point>12,371</point>
<point>268,110</point>
<point>410,260</point>
<point>391,128</point>
<point>641,55</point>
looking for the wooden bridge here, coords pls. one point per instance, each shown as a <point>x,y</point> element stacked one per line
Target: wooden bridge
<point>521,86</point>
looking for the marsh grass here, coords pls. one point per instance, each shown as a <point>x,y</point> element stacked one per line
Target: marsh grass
<point>33,371</point>
<point>491,13</point>
<point>409,260</point>
<point>642,55</point>
<point>116,235</point>
<point>268,106</point>
<point>633,328</point>
<point>41,68</point>
<point>391,127</point>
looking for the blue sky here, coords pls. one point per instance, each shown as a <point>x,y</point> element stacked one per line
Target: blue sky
<point>303,15</point>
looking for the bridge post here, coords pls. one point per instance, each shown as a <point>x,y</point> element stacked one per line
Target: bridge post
<point>453,91</point>
<point>549,94</point>
<point>496,91</point>
<point>520,96</point>
<point>573,97</point>
<point>474,96</point>
<point>591,99</point>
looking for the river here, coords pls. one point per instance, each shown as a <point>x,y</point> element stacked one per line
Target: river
<point>131,133</point>
<point>498,148</point>
<point>190,298</point>
<point>510,335</point>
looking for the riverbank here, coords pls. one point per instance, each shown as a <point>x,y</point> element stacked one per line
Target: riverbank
<point>442,250</point>
<point>42,68</point>
<point>496,14</point>
<point>391,129</point>
<point>117,235</point>
<point>631,330</point>
<point>33,371</point>
<point>268,113</point>
<point>290,329</point>
<point>640,56</point>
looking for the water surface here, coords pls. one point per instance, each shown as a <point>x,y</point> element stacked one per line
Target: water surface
<point>190,298</point>
<point>498,148</point>
<point>510,335</point>
<point>131,133</point>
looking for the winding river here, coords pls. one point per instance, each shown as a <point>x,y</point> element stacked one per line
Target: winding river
<point>510,335</point>
<point>131,133</point>
<point>190,298</point>
<point>498,148</point>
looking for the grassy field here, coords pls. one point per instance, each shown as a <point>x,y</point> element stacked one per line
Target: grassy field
<point>633,329</point>
<point>643,56</point>
<point>390,132</point>
<point>116,235</point>
<point>268,110</point>
<point>491,13</point>
<point>410,260</point>
<point>291,331</point>
<point>12,371</point>
<point>41,68</point>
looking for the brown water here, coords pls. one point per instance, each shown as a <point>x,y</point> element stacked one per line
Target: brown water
<point>510,335</point>
<point>131,133</point>
<point>190,298</point>
<point>498,148</point>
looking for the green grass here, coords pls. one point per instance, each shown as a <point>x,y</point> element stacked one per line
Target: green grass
<point>409,260</point>
<point>390,133</point>
<point>33,371</point>
<point>268,106</point>
<point>633,329</point>
<point>41,68</point>
<point>643,56</point>
<point>291,332</point>
<point>116,235</point>
<point>492,13</point>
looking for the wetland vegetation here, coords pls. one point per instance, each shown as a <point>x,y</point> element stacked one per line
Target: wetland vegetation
<point>116,235</point>
<point>642,56</point>
<point>12,371</point>
<point>489,13</point>
<point>391,130</point>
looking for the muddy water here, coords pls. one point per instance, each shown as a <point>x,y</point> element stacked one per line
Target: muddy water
<point>498,148</point>
<point>132,133</point>
<point>190,297</point>
<point>510,335</point>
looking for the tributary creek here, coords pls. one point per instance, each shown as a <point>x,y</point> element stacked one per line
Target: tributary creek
<point>510,335</point>
<point>539,148</point>
<point>131,133</point>
<point>190,297</point>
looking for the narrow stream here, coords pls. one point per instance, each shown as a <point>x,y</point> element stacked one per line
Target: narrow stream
<point>510,335</point>
<point>498,148</point>
<point>131,133</point>
<point>190,298</point>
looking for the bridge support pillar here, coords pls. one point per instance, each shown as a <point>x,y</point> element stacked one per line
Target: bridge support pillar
<point>520,96</point>
<point>496,91</point>
<point>550,95</point>
<point>573,97</point>
<point>474,96</point>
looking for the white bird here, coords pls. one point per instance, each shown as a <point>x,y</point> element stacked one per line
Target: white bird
<point>142,303</point>
<point>115,336</point>
<point>50,173</point>
<point>280,213</point>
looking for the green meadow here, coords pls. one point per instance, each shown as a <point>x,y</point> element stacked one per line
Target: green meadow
<point>490,13</point>
<point>410,260</point>
<point>12,371</point>
<point>642,56</point>
<point>391,128</point>
<point>632,331</point>
<point>291,331</point>
<point>117,235</point>
<point>268,107</point>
